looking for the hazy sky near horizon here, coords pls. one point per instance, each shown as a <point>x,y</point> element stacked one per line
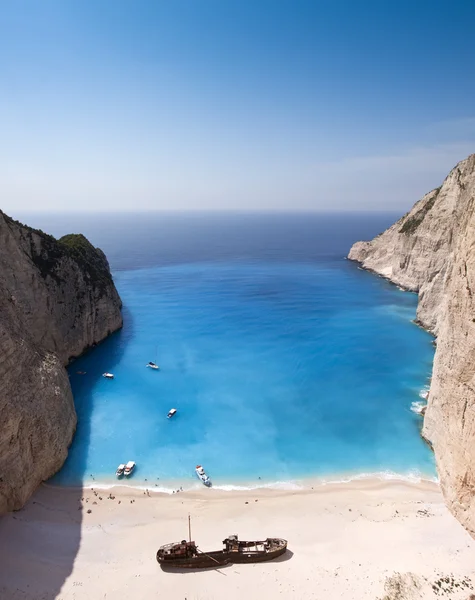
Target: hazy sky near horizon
<point>215,104</point>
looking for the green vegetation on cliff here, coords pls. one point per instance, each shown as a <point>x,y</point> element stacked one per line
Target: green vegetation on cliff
<point>48,253</point>
<point>411,224</point>
<point>91,260</point>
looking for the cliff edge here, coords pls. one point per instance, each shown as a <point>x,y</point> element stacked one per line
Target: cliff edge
<point>57,298</point>
<point>431,250</point>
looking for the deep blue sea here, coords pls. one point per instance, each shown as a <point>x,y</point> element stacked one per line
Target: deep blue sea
<point>284,360</point>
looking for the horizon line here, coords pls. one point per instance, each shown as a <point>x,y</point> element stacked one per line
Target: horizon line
<point>202,211</point>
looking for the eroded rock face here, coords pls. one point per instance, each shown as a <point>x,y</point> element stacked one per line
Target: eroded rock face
<point>431,250</point>
<point>57,298</point>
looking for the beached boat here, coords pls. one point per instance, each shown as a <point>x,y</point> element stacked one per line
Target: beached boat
<point>152,365</point>
<point>120,470</point>
<point>129,468</point>
<point>108,375</point>
<point>171,413</point>
<point>202,475</point>
<point>186,555</point>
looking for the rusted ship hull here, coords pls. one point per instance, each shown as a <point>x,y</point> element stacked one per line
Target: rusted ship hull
<point>201,561</point>
<point>252,557</point>
<point>220,558</point>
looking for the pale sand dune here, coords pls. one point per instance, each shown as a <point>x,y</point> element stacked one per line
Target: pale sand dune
<point>345,541</point>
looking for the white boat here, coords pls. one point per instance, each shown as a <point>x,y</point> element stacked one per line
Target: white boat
<point>108,375</point>
<point>171,412</point>
<point>120,470</point>
<point>202,475</point>
<point>129,467</point>
<point>152,365</point>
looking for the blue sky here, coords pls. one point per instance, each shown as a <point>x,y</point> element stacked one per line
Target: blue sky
<point>213,104</point>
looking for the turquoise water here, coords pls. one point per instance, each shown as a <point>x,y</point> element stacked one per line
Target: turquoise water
<point>279,371</point>
<point>284,360</point>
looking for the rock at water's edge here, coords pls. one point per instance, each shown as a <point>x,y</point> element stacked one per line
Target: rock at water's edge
<point>431,250</point>
<point>57,299</point>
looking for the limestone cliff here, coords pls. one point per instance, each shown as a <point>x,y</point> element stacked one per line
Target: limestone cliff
<point>57,298</point>
<point>431,250</point>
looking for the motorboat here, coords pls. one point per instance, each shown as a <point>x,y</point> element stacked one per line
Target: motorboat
<point>152,365</point>
<point>129,468</point>
<point>108,375</point>
<point>203,476</point>
<point>171,413</point>
<point>120,470</point>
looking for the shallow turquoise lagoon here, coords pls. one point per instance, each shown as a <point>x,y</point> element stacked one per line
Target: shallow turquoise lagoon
<point>279,370</point>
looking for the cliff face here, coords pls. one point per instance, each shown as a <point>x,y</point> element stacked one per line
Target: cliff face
<point>57,298</point>
<point>431,250</point>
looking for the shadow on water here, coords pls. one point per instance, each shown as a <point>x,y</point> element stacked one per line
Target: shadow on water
<point>46,533</point>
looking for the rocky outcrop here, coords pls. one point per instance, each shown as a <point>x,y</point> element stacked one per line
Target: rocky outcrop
<point>57,299</point>
<point>431,250</point>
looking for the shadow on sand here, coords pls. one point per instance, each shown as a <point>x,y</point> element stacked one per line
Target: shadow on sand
<point>39,543</point>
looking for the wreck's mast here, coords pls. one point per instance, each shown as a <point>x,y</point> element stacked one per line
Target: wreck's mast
<point>189,527</point>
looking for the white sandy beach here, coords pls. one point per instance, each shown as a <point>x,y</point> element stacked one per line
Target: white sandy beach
<point>345,541</point>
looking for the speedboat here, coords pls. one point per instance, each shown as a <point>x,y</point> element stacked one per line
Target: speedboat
<point>108,375</point>
<point>152,365</point>
<point>202,475</point>
<point>171,412</point>
<point>129,468</point>
<point>120,470</point>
